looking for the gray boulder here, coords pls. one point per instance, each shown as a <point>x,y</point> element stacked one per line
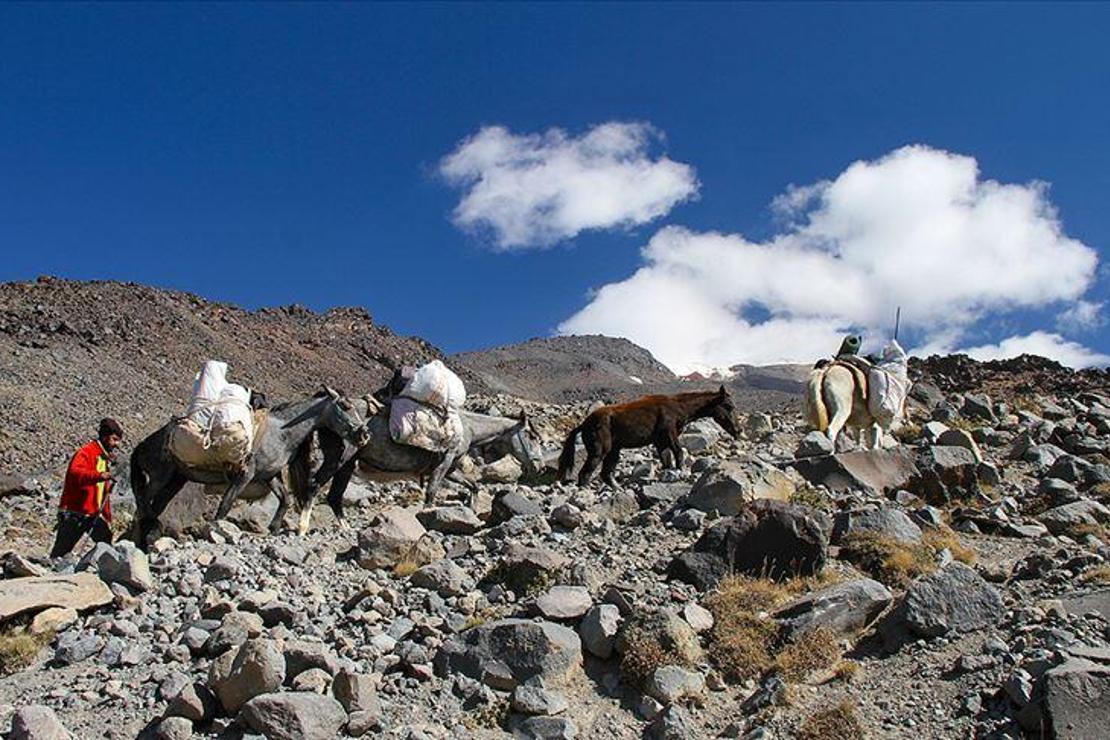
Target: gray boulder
<point>671,684</point>
<point>37,722</point>
<point>508,652</point>
<point>843,608</point>
<point>120,563</point>
<point>1062,519</point>
<point>1077,700</point>
<point>521,568</point>
<point>450,519</point>
<point>394,535</point>
<point>564,602</point>
<point>889,522</point>
<point>728,487</point>
<point>444,577</point>
<point>955,598</point>
<point>239,675</point>
<point>294,716</point>
<point>599,629</point>
<point>814,444</point>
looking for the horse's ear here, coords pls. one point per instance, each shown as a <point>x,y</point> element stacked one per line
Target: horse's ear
<point>721,391</point>
<point>332,393</point>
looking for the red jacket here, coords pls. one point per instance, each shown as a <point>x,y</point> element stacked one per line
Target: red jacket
<point>84,492</point>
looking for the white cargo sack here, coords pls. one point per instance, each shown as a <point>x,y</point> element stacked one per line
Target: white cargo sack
<point>888,384</point>
<point>426,413</point>
<point>435,385</point>
<point>217,431</point>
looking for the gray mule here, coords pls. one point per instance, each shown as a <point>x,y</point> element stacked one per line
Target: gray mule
<point>382,456</point>
<point>157,475</point>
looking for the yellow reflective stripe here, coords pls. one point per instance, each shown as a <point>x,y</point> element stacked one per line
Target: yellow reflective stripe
<point>101,466</point>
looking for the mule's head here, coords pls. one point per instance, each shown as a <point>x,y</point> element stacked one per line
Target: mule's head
<point>723,411</point>
<point>524,449</point>
<point>343,418</point>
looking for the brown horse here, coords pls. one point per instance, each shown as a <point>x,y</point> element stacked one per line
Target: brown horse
<point>651,420</point>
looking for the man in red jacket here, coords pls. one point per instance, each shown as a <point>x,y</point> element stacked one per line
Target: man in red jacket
<point>85,506</point>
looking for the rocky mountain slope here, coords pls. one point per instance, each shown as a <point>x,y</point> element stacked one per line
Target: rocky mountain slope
<point>954,584</point>
<point>72,352</point>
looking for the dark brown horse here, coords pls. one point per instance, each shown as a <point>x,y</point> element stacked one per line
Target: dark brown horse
<point>651,420</point>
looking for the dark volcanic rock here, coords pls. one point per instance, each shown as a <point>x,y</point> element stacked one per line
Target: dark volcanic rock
<point>872,471</point>
<point>768,538</point>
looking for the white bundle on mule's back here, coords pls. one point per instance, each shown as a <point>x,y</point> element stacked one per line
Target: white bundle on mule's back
<point>889,384</point>
<point>218,428</point>
<point>426,413</point>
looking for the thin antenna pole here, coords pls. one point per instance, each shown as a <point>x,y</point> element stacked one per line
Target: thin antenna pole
<point>897,321</point>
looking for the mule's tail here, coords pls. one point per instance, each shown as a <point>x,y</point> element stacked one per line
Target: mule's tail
<point>566,457</point>
<point>816,411</point>
<point>297,473</point>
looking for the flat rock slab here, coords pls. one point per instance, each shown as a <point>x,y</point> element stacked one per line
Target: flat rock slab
<point>843,608</point>
<point>1077,700</point>
<point>35,593</point>
<point>1096,601</point>
<point>955,598</point>
<point>294,715</point>
<point>564,602</point>
<point>872,471</point>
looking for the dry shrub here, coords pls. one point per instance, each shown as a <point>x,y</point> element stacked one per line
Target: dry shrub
<point>1097,576</point>
<point>886,559</point>
<point>1081,530</point>
<point>18,649</point>
<point>1100,492</point>
<point>907,433</point>
<point>807,495</point>
<point>965,424</point>
<point>1028,404</point>
<point>943,537</point>
<point>813,651</point>
<point>642,655</point>
<point>846,670</point>
<point>743,635</point>
<point>841,722</point>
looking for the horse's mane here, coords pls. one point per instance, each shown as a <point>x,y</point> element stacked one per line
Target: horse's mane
<point>286,404</point>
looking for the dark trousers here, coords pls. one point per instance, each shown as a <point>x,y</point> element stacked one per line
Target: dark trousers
<point>70,529</point>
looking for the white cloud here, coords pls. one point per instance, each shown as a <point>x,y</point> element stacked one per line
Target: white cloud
<point>1041,343</point>
<point>1080,317</point>
<point>916,228</point>
<point>534,190</point>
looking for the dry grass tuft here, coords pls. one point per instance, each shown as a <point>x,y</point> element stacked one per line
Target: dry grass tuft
<point>841,722</point>
<point>815,650</point>
<point>846,670</point>
<point>886,559</point>
<point>743,635</point>
<point>405,568</point>
<point>1097,576</point>
<point>1100,492</point>
<point>642,655</point>
<point>907,433</point>
<point>807,495</point>
<point>967,425</point>
<point>18,649</point>
<point>942,538</point>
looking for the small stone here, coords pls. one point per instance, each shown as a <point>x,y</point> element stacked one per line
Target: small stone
<point>599,629</point>
<point>538,700</point>
<point>564,602</point>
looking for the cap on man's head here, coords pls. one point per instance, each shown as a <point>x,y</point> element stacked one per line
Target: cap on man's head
<point>109,427</point>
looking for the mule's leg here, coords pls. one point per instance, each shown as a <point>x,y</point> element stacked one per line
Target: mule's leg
<point>436,479</point>
<point>876,437</point>
<point>278,487</point>
<point>839,419</point>
<point>609,466</point>
<point>676,448</point>
<point>597,447</point>
<point>159,494</point>
<point>238,483</point>
<point>338,486</point>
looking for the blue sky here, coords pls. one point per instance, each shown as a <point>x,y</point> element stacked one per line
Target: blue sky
<point>270,154</point>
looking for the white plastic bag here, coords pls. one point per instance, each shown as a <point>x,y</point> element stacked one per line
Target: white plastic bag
<point>435,385</point>
<point>889,384</point>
